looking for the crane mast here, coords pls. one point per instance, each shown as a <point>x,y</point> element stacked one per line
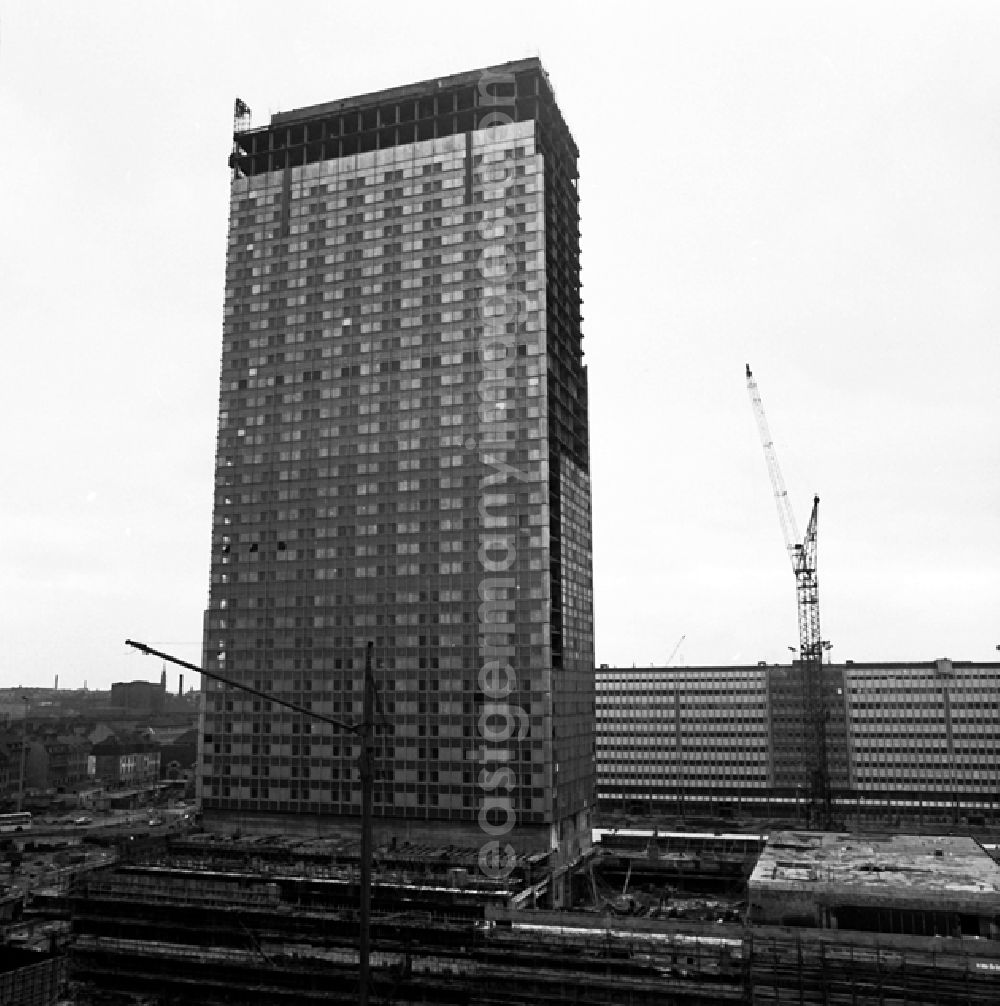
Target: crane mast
<point>802,554</point>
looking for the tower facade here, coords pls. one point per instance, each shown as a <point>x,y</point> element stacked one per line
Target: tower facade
<point>403,459</point>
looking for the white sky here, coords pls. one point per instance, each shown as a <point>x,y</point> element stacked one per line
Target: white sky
<point>813,188</point>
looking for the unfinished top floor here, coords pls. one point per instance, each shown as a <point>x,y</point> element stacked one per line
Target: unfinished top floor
<point>517,91</point>
<point>934,885</point>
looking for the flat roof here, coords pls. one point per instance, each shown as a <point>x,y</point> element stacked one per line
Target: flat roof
<point>836,866</point>
<point>415,90</point>
<point>943,665</point>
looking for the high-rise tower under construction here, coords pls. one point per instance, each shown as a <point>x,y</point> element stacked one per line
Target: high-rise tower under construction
<point>403,459</point>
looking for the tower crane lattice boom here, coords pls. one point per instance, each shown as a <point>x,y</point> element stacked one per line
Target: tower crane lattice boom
<point>789,527</point>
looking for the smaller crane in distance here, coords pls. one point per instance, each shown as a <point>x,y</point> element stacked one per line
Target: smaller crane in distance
<point>673,652</point>
<point>802,553</point>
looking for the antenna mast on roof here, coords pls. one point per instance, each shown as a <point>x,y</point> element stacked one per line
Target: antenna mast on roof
<point>242,116</point>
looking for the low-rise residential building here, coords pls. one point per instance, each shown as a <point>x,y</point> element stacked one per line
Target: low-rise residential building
<point>55,761</point>
<point>126,761</point>
<point>13,758</point>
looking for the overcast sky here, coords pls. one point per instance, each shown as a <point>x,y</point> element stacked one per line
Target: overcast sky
<point>813,188</point>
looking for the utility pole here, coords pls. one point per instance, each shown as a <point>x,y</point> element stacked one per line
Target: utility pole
<point>24,747</point>
<point>365,731</point>
<point>367,782</point>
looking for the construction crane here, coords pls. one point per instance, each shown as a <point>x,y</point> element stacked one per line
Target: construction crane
<point>802,553</point>
<point>364,731</point>
<point>673,652</point>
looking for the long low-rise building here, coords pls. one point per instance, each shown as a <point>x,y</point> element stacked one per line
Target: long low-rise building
<point>901,737</point>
